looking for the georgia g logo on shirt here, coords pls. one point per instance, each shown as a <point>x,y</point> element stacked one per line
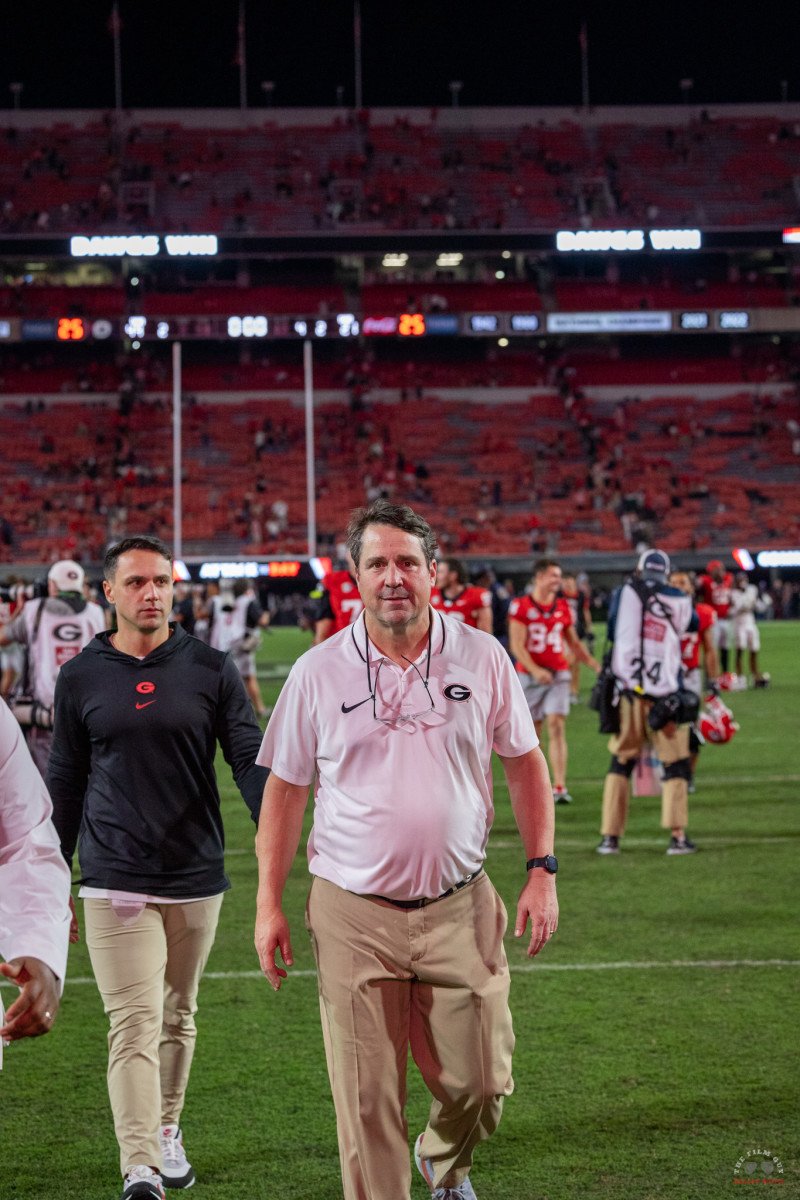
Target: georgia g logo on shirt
<point>144,689</point>
<point>457,691</point>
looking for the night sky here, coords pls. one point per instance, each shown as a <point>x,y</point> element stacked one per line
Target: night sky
<point>181,53</point>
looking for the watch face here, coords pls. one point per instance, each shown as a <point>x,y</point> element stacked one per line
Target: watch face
<point>551,863</point>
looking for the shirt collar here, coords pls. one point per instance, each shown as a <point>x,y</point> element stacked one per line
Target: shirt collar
<point>360,638</point>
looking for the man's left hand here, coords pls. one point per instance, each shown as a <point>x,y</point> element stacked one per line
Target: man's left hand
<point>34,1010</point>
<point>538,901</point>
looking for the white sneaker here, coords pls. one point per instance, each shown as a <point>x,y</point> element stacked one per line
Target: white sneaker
<point>176,1170</point>
<point>142,1183</point>
<point>464,1191</point>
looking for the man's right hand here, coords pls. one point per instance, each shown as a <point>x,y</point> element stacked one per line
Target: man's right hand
<point>272,933</point>
<point>34,1010</point>
<point>542,675</point>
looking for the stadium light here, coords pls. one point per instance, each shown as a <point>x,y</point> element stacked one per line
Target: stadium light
<point>395,260</point>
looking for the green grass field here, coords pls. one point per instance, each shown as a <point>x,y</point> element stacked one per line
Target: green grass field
<point>657,1035</point>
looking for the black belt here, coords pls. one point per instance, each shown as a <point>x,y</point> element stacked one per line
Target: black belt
<point>425,900</point>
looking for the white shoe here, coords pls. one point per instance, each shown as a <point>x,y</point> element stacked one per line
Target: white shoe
<point>609,844</point>
<point>464,1191</point>
<point>142,1183</point>
<point>176,1170</point>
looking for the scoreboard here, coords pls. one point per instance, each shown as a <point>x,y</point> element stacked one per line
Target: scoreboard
<point>406,326</point>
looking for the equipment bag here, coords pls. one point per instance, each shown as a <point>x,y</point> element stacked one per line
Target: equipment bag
<point>604,699</point>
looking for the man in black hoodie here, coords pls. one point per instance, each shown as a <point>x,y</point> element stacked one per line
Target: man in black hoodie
<point>138,716</point>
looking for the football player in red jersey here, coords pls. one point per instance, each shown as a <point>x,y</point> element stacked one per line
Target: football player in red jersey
<point>539,626</point>
<point>715,588</point>
<point>339,605</point>
<point>455,596</point>
<point>691,644</point>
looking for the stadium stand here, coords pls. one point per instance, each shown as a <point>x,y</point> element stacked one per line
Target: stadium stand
<point>555,471</point>
<point>385,171</point>
<point>541,445</point>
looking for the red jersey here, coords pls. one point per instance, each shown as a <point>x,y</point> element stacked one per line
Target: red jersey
<point>690,642</point>
<point>343,597</point>
<point>465,606</point>
<point>545,631</point>
<point>718,595</point>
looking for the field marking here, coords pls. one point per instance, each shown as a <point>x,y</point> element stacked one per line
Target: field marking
<point>583,844</point>
<point>704,781</point>
<point>524,968</point>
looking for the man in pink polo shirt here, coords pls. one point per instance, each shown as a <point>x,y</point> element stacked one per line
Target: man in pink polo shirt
<point>394,720</point>
<point>34,891</point>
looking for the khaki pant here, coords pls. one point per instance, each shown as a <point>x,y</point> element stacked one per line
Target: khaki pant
<point>148,966</point>
<point>627,745</point>
<point>433,979</point>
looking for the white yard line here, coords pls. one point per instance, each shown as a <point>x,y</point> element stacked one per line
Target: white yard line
<point>524,968</point>
<point>584,844</point>
<point>702,781</point>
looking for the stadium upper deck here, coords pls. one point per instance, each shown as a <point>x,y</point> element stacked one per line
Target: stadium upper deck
<point>306,171</point>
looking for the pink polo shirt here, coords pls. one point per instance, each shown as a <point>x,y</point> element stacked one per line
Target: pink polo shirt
<point>403,803</point>
<point>34,878</point>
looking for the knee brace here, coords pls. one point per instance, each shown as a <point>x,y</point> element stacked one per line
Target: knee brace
<point>621,768</point>
<point>678,770</point>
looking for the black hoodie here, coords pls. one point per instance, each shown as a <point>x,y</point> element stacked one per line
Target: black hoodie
<point>132,765</point>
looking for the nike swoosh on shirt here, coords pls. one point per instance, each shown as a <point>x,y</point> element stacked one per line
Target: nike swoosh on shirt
<point>145,704</point>
<point>349,707</point>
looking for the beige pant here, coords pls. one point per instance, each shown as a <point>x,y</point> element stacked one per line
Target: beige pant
<point>148,966</point>
<point>627,745</point>
<point>433,979</point>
